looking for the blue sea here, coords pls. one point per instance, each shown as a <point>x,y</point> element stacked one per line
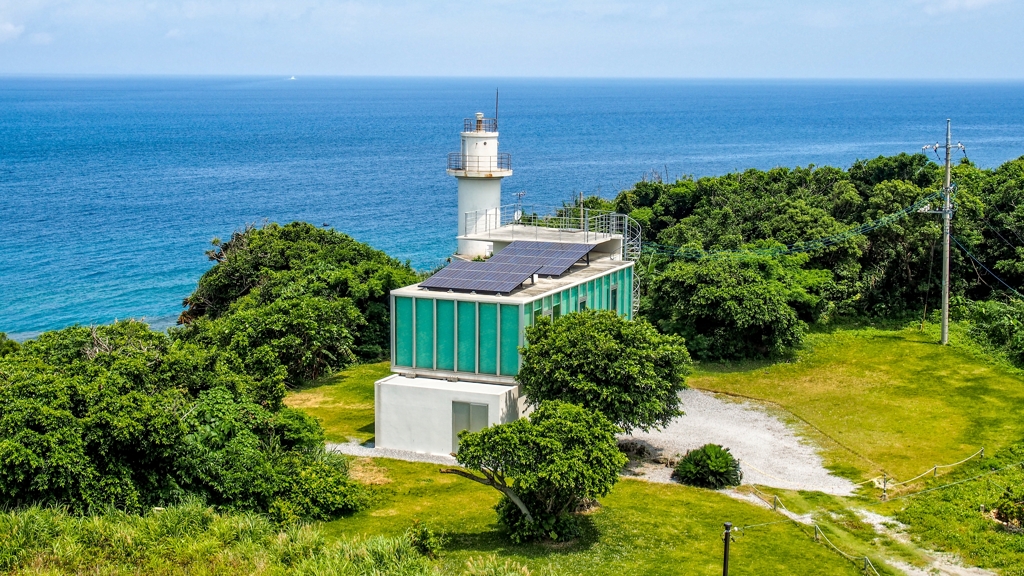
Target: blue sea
<point>111,189</point>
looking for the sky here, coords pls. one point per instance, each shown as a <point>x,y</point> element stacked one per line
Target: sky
<point>812,39</point>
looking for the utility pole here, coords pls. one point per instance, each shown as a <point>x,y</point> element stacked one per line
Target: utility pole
<point>947,214</point>
<point>725,558</point>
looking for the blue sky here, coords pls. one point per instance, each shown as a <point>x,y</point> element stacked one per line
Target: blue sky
<point>906,39</point>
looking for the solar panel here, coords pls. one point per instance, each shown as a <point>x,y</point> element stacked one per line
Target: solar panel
<point>554,258</point>
<point>496,277</point>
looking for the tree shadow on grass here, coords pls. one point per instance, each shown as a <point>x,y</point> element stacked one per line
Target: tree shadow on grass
<point>495,541</point>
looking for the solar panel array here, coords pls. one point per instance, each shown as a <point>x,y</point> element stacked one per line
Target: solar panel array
<point>554,258</point>
<point>496,277</point>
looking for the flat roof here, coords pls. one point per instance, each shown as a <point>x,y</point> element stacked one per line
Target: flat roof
<point>600,264</point>
<point>451,386</point>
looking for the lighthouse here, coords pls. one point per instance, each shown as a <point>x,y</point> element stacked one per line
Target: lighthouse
<point>479,168</point>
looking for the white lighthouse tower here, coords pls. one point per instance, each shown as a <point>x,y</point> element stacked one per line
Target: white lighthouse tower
<point>479,168</point>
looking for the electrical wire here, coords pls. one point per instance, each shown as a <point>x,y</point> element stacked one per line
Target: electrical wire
<point>979,262</point>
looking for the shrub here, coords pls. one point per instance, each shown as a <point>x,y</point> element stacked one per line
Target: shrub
<point>710,466</point>
<point>7,346</point>
<point>121,416</point>
<point>1010,507</point>
<point>425,540</point>
<point>490,566</point>
<point>623,369</point>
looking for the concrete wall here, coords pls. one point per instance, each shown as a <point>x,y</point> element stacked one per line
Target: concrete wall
<point>415,414</point>
<point>482,197</point>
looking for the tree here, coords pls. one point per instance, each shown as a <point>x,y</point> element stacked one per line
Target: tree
<point>124,416</point>
<point>623,369</point>
<point>730,308</point>
<point>339,286</point>
<point>545,466</point>
<point>7,346</point>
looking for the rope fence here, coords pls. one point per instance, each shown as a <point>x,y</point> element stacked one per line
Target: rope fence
<point>778,506</point>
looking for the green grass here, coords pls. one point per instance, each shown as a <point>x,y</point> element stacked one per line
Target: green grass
<point>343,403</point>
<point>640,528</point>
<point>895,399</point>
<point>191,539</point>
<point>952,519</point>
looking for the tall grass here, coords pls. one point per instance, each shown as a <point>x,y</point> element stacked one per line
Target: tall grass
<point>190,539</point>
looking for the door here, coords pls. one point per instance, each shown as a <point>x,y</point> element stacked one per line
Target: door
<point>467,416</point>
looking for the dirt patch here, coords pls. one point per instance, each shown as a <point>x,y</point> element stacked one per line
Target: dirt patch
<point>366,471</point>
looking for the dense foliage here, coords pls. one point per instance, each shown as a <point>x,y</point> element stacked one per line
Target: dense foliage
<point>295,299</point>
<point>624,369</point>
<point>709,466</point>
<point>998,325</point>
<point>546,467</point>
<point>7,346</point>
<point>126,417</point>
<point>718,303</point>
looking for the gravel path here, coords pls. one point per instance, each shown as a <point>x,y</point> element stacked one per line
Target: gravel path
<point>356,449</point>
<point>770,453</point>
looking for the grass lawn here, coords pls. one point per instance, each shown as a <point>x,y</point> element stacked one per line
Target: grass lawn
<point>640,528</point>
<point>343,403</point>
<point>896,399</point>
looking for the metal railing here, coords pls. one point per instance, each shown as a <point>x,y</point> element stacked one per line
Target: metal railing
<point>459,161</point>
<point>570,223</point>
<point>481,125</point>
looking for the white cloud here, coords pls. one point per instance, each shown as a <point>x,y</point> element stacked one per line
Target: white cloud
<point>173,33</point>
<point>9,31</point>
<point>41,38</point>
<point>945,6</point>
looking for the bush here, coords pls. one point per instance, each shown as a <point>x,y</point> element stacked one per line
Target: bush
<point>1010,507</point>
<point>623,369</point>
<point>121,416</point>
<point>491,566</point>
<point>999,326</point>
<point>710,466</point>
<point>7,346</point>
<point>427,541</point>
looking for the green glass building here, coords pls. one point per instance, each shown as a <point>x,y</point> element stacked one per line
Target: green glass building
<point>476,337</point>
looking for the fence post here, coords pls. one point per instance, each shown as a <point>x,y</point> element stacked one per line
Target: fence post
<point>816,531</point>
<point>935,471</point>
<point>775,503</point>
<point>885,482</point>
<point>725,558</point>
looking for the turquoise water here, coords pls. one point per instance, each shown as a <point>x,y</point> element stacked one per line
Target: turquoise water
<point>111,189</point>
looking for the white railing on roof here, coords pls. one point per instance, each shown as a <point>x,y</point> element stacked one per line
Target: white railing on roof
<point>571,223</point>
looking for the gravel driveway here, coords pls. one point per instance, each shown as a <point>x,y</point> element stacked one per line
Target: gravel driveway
<point>770,453</point>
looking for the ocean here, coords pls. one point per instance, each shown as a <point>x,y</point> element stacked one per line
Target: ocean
<point>111,189</point>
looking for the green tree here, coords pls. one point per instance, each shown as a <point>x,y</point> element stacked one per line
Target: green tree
<point>273,270</point>
<point>545,466</point>
<point>623,369</point>
<point>124,416</point>
<point>7,346</point>
<point>739,307</point>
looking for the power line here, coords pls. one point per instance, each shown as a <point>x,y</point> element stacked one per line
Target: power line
<point>991,273</point>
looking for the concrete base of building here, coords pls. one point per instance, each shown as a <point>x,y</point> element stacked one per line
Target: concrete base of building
<point>425,414</point>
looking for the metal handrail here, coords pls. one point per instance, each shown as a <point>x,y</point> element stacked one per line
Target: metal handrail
<point>471,163</point>
<point>597,225</point>
<point>480,125</point>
